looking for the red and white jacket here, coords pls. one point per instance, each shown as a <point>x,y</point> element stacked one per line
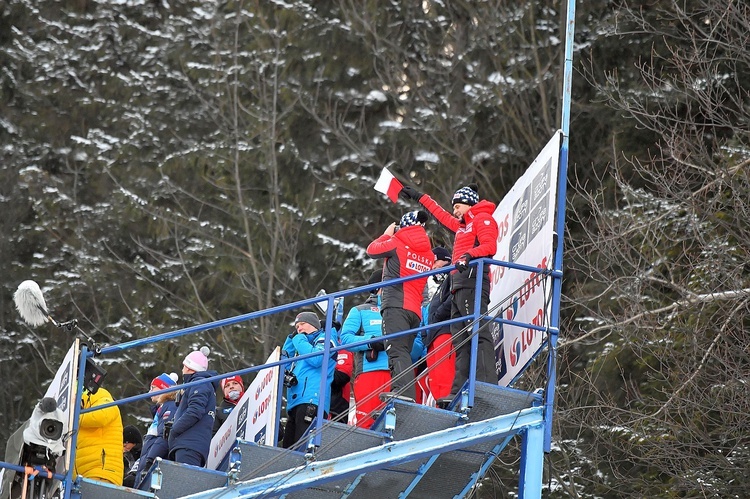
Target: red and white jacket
<point>476,234</point>
<point>406,253</point>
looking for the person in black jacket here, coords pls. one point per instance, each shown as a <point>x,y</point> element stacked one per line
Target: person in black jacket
<point>441,356</point>
<point>233,389</point>
<point>132,443</point>
<point>154,442</point>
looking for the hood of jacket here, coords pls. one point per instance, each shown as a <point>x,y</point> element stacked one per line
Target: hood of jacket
<point>415,237</point>
<point>187,378</point>
<point>482,206</point>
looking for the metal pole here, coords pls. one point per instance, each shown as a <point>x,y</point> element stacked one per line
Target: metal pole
<point>475,336</point>
<point>76,416</point>
<point>324,383</point>
<point>549,393</point>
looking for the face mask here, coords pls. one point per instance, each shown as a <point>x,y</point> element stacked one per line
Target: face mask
<point>234,395</point>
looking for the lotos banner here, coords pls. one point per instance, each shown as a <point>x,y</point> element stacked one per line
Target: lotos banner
<point>526,220</point>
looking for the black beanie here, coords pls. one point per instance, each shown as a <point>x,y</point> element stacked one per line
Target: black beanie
<point>375,278</point>
<point>131,435</point>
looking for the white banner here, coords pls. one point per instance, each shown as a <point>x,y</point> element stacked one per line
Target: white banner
<point>526,219</point>
<point>60,388</point>
<point>254,417</point>
<point>63,389</point>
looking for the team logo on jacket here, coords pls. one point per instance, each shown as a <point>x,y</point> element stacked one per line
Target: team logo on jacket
<point>417,262</point>
<point>417,266</point>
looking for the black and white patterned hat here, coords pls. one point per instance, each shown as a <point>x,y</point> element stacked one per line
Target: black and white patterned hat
<point>466,195</point>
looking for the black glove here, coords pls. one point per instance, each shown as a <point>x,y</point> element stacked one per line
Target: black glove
<point>409,192</point>
<point>463,263</point>
<point>167,429</point>
<point>377,346</point>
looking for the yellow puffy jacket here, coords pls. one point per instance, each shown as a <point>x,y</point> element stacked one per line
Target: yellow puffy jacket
<point>99,449</point>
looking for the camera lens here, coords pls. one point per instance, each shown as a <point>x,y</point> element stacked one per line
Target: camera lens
<point>290,379</point>
<point>51,429</point>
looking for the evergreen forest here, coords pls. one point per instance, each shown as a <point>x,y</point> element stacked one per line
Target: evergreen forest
<point>168,163</point>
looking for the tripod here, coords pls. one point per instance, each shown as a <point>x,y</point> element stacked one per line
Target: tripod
<point>36,482</point>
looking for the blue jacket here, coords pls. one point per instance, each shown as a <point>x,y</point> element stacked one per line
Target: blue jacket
<point>363,322</point>
<point>308,371</point>
<point>194,420</point>
<point>155,445</point>
<point>418,349</point>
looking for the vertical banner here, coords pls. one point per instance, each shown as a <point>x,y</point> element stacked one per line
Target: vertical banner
<point>525,218</point>
<point>254,417</point>
<point>63,389</point>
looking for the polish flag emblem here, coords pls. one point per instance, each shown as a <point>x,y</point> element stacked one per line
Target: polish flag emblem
<point>388,185</point>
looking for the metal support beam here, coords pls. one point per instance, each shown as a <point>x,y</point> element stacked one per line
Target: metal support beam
<point>532,460</point>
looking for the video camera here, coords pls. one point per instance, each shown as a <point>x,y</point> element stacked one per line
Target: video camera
<point>46,428</point>
<point>40,442</point>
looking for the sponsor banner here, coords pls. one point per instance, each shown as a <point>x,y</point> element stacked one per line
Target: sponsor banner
<point>253,419</point>
<point>63,389</point>
<point>525,218</point>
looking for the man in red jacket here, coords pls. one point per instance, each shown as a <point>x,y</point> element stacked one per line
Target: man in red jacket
<point>476,237</point>
<point>407,251</point>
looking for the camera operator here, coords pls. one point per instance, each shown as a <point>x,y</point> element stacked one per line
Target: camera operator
<point>302,379</point>
<point>99,450</point>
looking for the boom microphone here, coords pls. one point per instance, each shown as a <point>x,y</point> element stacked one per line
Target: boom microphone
<point>30,303</point>
<point>33,309</point>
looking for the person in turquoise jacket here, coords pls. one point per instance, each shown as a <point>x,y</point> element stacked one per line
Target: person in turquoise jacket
<point>303,393</point>
<point>372,374</point>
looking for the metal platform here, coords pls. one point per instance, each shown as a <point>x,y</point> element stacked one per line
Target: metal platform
<point>179,480</point>
<point>426,455</point>
<point>93,488</point>
<point>411,420</point>
<point>337,440</point>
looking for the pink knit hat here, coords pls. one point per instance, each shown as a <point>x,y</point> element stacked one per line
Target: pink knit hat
<point>197,360</point>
